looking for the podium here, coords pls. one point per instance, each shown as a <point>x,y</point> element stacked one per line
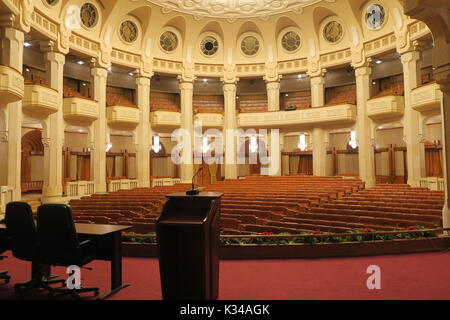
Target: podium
<point>188,234</point>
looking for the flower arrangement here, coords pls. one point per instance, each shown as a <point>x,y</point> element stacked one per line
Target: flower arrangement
<point>313,237</point>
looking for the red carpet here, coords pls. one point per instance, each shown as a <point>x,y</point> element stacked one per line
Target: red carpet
<point>416,276</point>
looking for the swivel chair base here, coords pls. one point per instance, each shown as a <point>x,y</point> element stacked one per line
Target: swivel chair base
<point>75,293</point>
<point>36,284</point>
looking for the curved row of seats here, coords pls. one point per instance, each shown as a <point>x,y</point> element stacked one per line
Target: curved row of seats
<point>291,204</point>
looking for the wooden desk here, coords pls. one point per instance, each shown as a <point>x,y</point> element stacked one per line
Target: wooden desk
<point>109,248</point>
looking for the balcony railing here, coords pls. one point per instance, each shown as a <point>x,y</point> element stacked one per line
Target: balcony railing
<point>386,107</point>
<point>337,114</point>
<point>78,108</point>
<point>11,85</point>
<point>427,98</point>
<point>40,99</point>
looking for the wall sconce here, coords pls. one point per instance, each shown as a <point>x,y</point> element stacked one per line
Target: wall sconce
<point>353,143</point>
<point>156,147</point>
<point>108,143</point>
<point>253,146</point>
<point>302,145</point>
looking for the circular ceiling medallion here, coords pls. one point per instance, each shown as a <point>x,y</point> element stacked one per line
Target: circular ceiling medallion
<point>250,45</point>
<point>291,41</point>
<point>89,15</point>
<point>333,32</point>
<point>209,46</point>
<point>128,31</point>
<point>234,9</point>
<point>168,41</point>
<point>375,16</point>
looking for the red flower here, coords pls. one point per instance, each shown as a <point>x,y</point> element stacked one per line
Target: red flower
<point>411,228</point>
<point>266,234</point>
<point>365,230</point>
<point>316,232</point>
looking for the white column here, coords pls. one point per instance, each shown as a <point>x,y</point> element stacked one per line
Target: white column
<point>363,126</point>
<point>319,134</point>
<point>187,118</point>
<point>98,155</point>
<point>230,123</point>
<point>273,95</point>
<point>12,56</point>
<point>276,146</point>
<point>144,132</point>
<point>412,62</point>
<point>54,139</point>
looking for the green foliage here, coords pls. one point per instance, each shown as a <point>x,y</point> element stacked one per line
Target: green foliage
<point>355,235</point>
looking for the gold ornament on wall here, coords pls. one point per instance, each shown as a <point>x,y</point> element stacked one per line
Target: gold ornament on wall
<point>209,46</point>
<point>375,16</point>
<point>128,31</point>
<point>333,32</point>
<point>168,41</point>
<point>250,45</point>
<point>89,15</point>
<point>291,41</point>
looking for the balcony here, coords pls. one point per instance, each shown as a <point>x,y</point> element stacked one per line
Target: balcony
<point>385,107</point>
<point>165,120</point>
<point>11,85</point>
<point>210,120</point>
<point>122,116</point>
<point>337,114</point>
<point>427,98</point>
<point>40,99</point>
<point>83,109</point>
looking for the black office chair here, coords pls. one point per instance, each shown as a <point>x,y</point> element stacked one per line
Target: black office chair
<point>21,229</point>
<point>59,244</point>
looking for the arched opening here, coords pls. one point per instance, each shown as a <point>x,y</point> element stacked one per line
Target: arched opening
<point>295,160</point>
<point>342,157</point>
<point>76,154</point>
<point>120,156</point>
<point>390,154</point>
<point>432,138</point>
<point>32,161</point>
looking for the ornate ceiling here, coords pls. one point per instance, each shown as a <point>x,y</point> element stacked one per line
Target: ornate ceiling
<point>234,9</point>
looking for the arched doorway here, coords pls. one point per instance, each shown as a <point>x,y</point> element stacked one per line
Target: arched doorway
<point>32,161</point>
<point>390,154</point>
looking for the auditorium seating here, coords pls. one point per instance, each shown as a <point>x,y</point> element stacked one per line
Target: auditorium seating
<point>292,204</point>
<point>115,99</point>
<point>208,104</point>
<point>347,96</point>
<point>300,100</point>
<point>252,104</point>
<point>163,102</point>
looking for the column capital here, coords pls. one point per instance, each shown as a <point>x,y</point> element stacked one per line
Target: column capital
<point>411,56</point>
<point>99,72</point>
<point>273,85</point>
<point>53,46</point>
<point>186,85</point>
<point>229,86</point>
<point>412,47</point>
<point>54,56</point>
<point>362,71</point>
<point>318,74</point>
<point>364,63</point>
<point>143,80</point>
<point>318,80</point>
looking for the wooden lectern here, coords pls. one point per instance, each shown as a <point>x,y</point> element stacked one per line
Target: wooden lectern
<point>188,233</point>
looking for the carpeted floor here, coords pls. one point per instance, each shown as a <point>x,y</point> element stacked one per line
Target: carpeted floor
<point>415,276</point>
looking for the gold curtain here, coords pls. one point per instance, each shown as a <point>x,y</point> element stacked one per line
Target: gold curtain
<point>110,160</point>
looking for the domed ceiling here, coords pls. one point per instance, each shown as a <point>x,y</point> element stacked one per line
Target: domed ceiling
<point>234,9</point>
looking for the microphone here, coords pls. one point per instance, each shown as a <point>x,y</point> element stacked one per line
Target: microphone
<point>194,191</point>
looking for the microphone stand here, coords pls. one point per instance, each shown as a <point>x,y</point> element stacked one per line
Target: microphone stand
<point>194,191</point>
